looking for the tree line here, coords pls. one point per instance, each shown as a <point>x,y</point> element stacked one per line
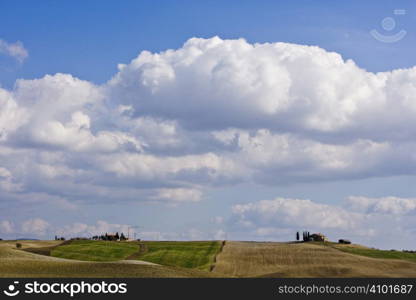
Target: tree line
<point>306,236</point>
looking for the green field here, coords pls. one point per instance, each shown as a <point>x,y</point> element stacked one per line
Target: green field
<point>199,255</point>
<point>195,255</point>
<point>200,259</point>
<point>376,253</point>
<point>95,250</point>
<point>28,263</point>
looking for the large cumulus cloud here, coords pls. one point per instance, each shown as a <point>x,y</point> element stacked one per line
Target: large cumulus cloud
<point>168,126</point>
<point>286,87</point>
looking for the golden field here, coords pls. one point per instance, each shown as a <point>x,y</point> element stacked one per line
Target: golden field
<point>254,259</point>
<point>19,263</point>
<point>236,259</point>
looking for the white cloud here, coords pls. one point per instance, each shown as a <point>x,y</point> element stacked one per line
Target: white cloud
<point>11,115</point>
<point>15,50</point>
<point>386,205</point>
<point>277,158</point>
<point>156,133</point>
<point>36,226</point>
<point>147,166</point>
<point>76,135</point>
<point>273,231</point>
<point>7,183</point>
<point>4,173</point>
<point>193,234</point>
<point>213,112</point>
<point>6,227</point>
<point>85,230</point>
<point>217,220</point>
<point>50,200</point>
<point>178,195</point>
<point>380,222</point>
<point>55,95</point>
<point>292,212</point>
<point>220,235</point>
<point>152,235</point>
<point>273,85</point>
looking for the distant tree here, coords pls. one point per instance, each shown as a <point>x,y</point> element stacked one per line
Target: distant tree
<point>297,235</point>
<point>18,245</point>
<point>117,237</point>
<point>122,237</point>
<point>306,236</point>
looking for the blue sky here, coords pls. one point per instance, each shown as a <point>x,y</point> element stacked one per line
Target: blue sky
<point>89,39</point>
<point>60,178</point>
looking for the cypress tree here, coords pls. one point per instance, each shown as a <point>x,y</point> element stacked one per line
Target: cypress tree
<point>122,237</point>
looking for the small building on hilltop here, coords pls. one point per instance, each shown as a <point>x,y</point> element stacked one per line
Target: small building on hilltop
<point>112,236</point>
<point>318,237</point>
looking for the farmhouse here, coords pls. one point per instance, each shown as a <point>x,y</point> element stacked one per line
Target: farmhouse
<point>112,237</point>
<point>318,237</point>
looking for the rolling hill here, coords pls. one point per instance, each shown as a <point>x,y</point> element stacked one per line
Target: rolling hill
<point>200,259</point>
<point>19,263</point>
<point>253,259</point>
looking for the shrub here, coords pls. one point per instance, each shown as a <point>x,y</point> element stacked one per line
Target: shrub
<point>18,245</point>
<point>344,241</point>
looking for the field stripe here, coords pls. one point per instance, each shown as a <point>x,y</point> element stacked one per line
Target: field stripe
<point>212,267</point>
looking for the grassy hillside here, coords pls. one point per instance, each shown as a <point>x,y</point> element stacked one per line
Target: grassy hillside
<point>198,255</point>
<point>17,263</point>
<point>190,259</point>
<point>95,250</point>
<point>376,253</point>
<point>250,259</point>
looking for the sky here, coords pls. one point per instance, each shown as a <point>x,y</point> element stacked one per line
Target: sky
<point>197,120</point>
